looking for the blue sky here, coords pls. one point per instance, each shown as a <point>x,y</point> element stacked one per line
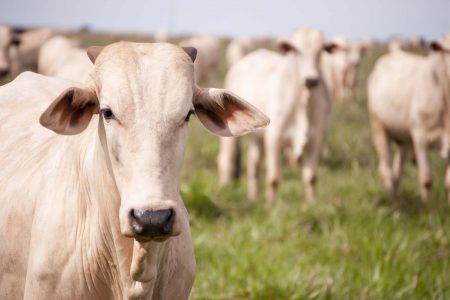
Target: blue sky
<point>353,18</point>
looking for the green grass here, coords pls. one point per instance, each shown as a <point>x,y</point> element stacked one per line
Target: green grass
<point>352,243</point>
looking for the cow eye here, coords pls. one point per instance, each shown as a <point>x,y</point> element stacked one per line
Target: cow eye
<point>107,113</point>
<point>189,115</point>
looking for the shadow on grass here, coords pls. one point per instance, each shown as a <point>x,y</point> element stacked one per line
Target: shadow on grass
<point>198,201</point>
<point>204,199</point>
<point>409,203</point>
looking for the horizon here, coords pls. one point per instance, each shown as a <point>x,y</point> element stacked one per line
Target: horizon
<point>378,20</point>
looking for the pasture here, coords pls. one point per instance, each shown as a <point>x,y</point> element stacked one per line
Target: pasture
<point>352,243</point>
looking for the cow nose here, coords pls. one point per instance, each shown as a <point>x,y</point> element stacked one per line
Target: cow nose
<point>3,72</point>
<point>152,224</point>
<point>311,82</point>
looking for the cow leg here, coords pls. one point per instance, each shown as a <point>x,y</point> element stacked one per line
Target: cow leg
<point>423,164</point>
<point>397,164</point>
<point>228,160</point>
<point>447,179</point>
<point>253,167</point>
<point>271,146</point>
<point>381,143</point>
<point>310,164</point>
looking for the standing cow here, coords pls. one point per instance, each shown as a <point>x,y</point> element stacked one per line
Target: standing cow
<point>340,68</point>
<point>409,103</point>
<point>92,210</point>
<point>62,57</point>
<point>289,88</point>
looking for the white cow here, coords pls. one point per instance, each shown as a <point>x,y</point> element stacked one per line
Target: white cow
<point>25,54</point>
<point>288,87</point>
<point>93,211</point>
<point>340,68</point>
<point>237,49</point>
<point>208,58</point>
<point>409,103</point>
<point>62,57</point>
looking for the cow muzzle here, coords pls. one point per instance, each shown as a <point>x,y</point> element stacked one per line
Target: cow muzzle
<point>311,82</point>
<point>148,224</point>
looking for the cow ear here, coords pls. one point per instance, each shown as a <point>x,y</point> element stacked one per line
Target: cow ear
<point>436,46</point>
<point>225,114</point>
<point>191,51</point>
<point>15,39</point>
<point>71,112</point>
<point>331,47</point>
<point>93,52</point>
<point>285,46</point>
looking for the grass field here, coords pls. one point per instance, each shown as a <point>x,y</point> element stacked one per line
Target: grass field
<point>352,243</point>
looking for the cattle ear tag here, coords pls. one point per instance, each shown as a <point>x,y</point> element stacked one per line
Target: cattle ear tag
<point>93,52</point>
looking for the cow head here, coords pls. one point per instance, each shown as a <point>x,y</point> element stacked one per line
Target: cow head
<point>145,95</point>
<point>305,47</point>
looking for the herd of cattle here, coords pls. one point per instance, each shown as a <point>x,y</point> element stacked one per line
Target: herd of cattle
<point>92,145</point>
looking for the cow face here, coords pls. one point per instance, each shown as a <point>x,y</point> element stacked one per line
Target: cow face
<point>145,95</point>
<point>306,45</point>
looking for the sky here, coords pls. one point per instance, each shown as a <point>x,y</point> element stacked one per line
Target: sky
<point>353,18</point>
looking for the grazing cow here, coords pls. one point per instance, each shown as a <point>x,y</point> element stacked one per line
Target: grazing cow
<point>340,68</point>
<point>7,39</point>
<point>409,103</point>
<point>62,57</point>
<point>25,54</point>
<point>237,49</point>
<point>94,212</point>
<point>208,47</point>
<point>288,87</point>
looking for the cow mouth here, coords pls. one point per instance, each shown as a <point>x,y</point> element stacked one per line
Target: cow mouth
<point>144,240</point>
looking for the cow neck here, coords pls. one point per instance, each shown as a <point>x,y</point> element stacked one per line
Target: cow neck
<point>97,219</point>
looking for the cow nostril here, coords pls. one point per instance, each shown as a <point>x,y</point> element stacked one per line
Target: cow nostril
<point>169,221</point>
<point>155,224</point>
<point>311,82</point>
<point>135,224</point>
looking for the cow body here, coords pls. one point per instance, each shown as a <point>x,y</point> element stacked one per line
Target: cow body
<point>409,100</point>
<point>289,89</point>
<point>62,57</point>
<point>94,211</point>
<point>237,49</point>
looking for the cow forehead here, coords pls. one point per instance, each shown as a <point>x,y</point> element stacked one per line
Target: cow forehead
<point>308,39</point>
<point>155,77</point>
